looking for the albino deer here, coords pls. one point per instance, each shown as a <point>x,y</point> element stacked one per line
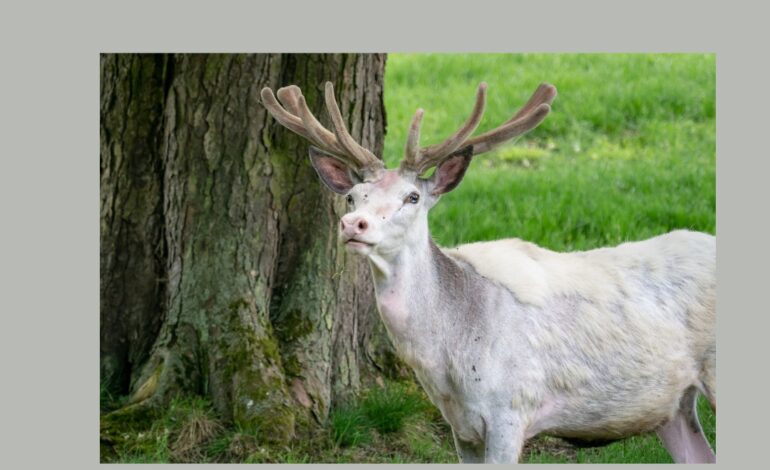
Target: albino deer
<point>510,340</point>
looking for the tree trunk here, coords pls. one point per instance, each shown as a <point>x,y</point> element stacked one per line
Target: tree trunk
<point>131,247</point>
<point>219,243</point>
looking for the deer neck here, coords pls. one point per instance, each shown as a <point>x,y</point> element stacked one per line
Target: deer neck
<point>410,285</point>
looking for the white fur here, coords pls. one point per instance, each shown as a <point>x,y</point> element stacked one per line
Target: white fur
<point>534,274</point>
<point>510,340</point>
<point>615,365</point>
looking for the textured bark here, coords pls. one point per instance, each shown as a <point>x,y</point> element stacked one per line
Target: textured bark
<point>132,248</point>
<point>262,310</point>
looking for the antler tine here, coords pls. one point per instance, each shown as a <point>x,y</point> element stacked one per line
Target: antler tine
<point>545,93</point>
<point>292,98</point>
<point>361,156</point>
<point>526,119</point>
<point>432,155</point>
<point>297,117</point>
<point>287,119</point>
<point>323,138</point>
<point>412,153</point>
<point>288,97</point>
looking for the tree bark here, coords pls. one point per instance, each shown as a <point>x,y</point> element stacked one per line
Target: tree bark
<point>131,247</point>
<point>219,243</point>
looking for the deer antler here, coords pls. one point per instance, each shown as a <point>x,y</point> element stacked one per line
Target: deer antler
<point>296,116</point>
<point>528,117</point>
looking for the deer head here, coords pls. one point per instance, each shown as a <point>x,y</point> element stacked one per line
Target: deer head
<point>388,209</point>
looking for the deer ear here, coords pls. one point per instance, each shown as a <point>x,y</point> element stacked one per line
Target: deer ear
<point>450,172</point>
<point>335,174</point>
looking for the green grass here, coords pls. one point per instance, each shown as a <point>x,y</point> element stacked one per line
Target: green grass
<point>628,151</point>
<point>386,409</point>
<point>396,419</point>
<point>391,424</point>
<point>360,431</point>
<point>182,432</point>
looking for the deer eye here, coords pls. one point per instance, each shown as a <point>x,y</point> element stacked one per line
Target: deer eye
<point>350,199</point>
<point>412,198</point>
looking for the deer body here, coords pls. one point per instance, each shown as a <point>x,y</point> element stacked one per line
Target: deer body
<point>510,340</point>
<point>597,360</point>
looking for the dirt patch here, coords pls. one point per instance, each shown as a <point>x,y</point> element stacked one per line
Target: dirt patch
<point>549,445</point>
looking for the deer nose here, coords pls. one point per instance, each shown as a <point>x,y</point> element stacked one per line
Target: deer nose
<point>353,224</point>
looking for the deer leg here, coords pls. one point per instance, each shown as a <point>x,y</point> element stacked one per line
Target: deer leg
<point>469,452</point>
<point>504,438</point>
<point>683,436</point>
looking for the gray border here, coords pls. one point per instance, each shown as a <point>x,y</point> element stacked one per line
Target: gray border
<point>50,116</point>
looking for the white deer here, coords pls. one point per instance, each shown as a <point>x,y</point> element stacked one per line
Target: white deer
<point>510,340</point>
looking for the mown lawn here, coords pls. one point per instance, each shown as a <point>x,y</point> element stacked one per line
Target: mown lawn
<point>627,153</point>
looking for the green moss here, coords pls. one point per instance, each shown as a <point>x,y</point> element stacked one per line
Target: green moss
<point>244,345</point>
<point>118,429</point>
<point>292,366</point>
<point>252,364</point>
<point>269,348</point>
<point>240,346</point>
<point>260,406</point>
<point>276,427</point>
<point>141,434</point>
<point>236,305</point>
<point>294,325</point>
<point>128,418</point>
<point>213,65</point>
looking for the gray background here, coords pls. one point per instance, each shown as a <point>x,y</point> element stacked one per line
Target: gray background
<point>49,160</point>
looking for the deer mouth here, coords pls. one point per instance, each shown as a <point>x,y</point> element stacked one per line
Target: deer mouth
<point>356,243</point>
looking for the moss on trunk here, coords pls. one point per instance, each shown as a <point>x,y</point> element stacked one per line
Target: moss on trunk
<point>260,309</point>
